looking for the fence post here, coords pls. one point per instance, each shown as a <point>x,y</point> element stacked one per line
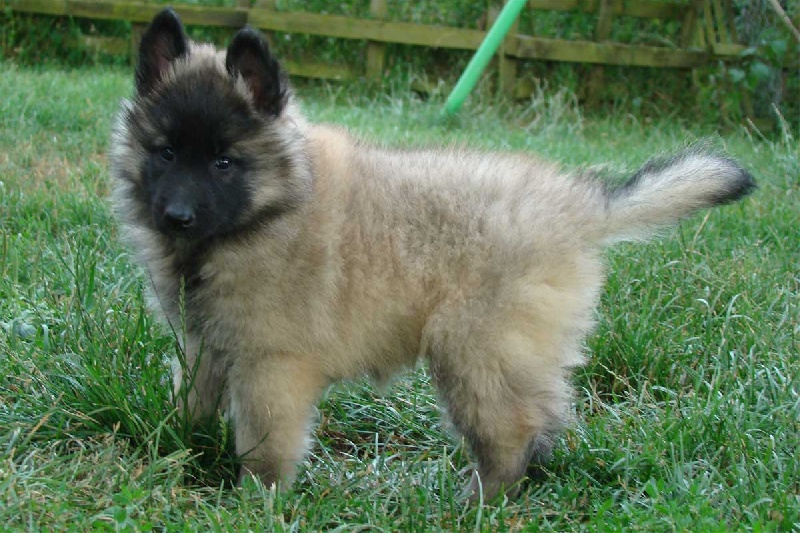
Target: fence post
<point>268,5</point>
<point>507,65</point>
<point>690,28</point>
<point>376,52</point>
<point>601,33</point>
<point>488,48</point>
<point>137,30</point>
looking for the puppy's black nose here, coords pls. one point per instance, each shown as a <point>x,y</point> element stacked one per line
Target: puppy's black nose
<point>179,216</point>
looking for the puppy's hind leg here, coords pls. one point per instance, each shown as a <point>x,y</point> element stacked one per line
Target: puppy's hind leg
<point>506,398</point>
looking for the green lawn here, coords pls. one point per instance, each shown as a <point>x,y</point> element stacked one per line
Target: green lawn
<point>688,411</point>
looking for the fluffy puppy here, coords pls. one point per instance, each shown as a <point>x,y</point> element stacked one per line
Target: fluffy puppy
<point>296,255</point>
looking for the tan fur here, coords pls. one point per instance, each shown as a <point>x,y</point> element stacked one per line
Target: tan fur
<point>486,265</point>
<point>400,255</point>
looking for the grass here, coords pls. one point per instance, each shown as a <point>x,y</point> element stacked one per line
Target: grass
<point>687,412</point>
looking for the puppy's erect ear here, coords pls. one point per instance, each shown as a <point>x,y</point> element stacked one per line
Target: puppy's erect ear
<point>249,56</point>
<point>164,41</point>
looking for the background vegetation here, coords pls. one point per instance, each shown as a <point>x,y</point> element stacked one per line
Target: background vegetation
<point>687,413</point>
<point>768,77</point>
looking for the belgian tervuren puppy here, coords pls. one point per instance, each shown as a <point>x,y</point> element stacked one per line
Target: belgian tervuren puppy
<point>296,255</point>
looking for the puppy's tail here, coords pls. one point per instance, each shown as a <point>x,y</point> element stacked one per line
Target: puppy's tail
<point>664,191</point>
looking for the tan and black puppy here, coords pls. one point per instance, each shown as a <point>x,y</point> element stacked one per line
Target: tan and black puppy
<point>298,256</point>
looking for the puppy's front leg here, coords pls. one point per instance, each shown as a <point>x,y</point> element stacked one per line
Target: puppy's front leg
<point>272,403</point>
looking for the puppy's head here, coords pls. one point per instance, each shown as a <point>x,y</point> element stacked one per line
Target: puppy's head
<point>209,145</point>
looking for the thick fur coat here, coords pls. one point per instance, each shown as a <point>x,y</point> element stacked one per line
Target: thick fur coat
<point>296,255</point>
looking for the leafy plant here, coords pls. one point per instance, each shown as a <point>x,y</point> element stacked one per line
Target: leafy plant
<point>760,62</point>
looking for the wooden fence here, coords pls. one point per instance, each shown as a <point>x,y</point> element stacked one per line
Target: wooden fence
<point>708,34</point>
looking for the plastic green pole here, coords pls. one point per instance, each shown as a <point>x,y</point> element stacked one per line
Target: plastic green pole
<point>483,55</point>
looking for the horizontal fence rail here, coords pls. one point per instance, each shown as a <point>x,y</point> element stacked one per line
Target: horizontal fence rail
<point>708,34</point>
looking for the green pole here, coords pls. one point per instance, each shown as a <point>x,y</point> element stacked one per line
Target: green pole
<point>483,54</point>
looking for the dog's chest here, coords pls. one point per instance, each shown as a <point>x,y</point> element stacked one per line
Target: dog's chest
<point>258,314</point>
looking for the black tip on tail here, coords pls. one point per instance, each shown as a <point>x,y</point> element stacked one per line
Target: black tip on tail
<point>741,185</point>
<point>739,182</point>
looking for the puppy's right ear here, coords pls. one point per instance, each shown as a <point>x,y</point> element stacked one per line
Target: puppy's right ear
<point>164,41</point>
<point>249,56</point>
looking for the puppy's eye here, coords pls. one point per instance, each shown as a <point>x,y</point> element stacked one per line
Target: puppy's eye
<point>167,153</point>
<point>223,163</point>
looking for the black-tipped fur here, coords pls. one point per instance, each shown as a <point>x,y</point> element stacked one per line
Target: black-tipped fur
<point>249,56</point>
<point>164,41</point>
<point>740,185</point>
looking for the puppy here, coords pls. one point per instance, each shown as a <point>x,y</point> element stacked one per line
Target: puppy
<point>296,256</point>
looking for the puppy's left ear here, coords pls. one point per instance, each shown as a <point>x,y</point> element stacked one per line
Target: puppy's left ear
<point>164,41</point>
<point>249,56</point>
